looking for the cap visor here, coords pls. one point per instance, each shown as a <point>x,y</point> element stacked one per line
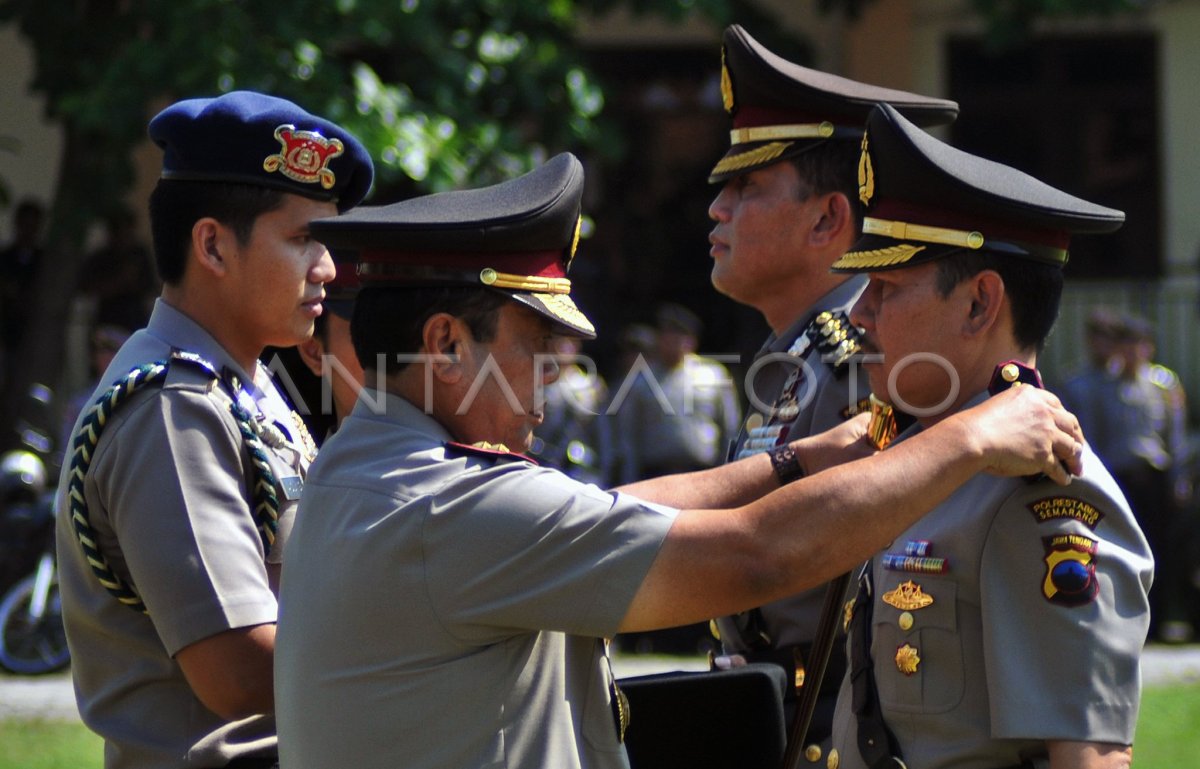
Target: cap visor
<point>561,309</point>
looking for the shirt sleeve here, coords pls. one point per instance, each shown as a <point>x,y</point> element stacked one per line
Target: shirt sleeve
<point>514,548</point>
<point>173,483</point>
<point>1064,578</point>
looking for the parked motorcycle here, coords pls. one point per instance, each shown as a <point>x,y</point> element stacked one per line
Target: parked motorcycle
<point>32,639</point>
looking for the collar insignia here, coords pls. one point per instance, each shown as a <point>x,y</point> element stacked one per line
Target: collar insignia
<point>304,156</point>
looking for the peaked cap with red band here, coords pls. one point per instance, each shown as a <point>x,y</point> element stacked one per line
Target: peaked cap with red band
<point>247,137</point>
<point>517,237</point>
<point>781,109</point>
<point>926,200</point>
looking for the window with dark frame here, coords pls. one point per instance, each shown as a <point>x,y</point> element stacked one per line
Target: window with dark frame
<point>1080,113</point>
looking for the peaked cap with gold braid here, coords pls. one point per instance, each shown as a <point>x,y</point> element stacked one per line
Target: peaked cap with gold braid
<point>781,109</point>
<point>518,237</point>
<point>926,200</point>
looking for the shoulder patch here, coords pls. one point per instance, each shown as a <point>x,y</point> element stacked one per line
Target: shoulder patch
<point>485,449</point>
<point>1049,509</point>
<point>1070,578</point>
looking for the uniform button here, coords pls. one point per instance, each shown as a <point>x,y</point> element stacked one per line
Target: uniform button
<point>906,620</point>
<point>832,761</point>
<point>813,753</point>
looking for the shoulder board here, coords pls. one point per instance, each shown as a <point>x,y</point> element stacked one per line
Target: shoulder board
<point>1010,374</point>
<point>191,358</point>
<point>835,337</point>
<point>484,449</point>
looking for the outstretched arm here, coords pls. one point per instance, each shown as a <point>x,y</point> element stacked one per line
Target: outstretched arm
<point>721,561</point>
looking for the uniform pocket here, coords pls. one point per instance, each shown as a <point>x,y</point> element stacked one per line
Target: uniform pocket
<point>918,651</point>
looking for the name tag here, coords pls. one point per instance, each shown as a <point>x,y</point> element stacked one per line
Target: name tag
<point>292,486</point>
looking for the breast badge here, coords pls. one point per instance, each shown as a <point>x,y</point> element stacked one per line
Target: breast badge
<point>908,596</point>
<point>1070,570</point>
<point>908,659</point>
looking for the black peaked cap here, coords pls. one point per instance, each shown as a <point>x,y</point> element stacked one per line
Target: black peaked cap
<point>781,109</point>
<point>517,236</point>
<point>926,199</point>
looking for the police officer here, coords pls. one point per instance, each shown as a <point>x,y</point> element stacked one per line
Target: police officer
<point>329,357</point>
<point>183,479</point>
<point>1004,628</point>
<point>444,599</point>
<point>787,208</point>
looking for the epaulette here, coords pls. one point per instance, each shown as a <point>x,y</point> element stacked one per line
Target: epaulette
<point>485,449</point>
<point>835,337</point>
<point>1012,373</point>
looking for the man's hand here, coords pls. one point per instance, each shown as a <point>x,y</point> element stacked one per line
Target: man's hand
<point>1025,431</point>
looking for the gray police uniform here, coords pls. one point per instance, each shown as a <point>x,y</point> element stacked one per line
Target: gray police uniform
<point>168,499</point>
<point>1013,613</point>
<point>482,589</point>
<point>802,384</point>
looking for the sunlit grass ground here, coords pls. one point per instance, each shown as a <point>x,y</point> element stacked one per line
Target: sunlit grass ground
<point>1168,736</point>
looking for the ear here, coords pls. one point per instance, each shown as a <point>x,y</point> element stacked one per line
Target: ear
<point>312,352</point>
<point>835,219</point>
<point>446,339</point>
<point>211,243</point>
<point>985,292</point>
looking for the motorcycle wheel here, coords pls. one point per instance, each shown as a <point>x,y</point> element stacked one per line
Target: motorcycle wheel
<point>32,645</point>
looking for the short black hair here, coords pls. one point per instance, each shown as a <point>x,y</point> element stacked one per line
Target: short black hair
<point>832,166</point>
<point>176,206</point>
<point>389,320</point>
<point>1034,289</point>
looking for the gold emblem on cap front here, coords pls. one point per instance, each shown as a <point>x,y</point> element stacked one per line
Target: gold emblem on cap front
<point>908,659</point>
<point>908,596</point>
<point>866,175</point>
<point>304,156</point>
<point>726,84</point>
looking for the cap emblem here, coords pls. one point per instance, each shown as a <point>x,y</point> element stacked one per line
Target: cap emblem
<point>304,156</point>
<point>866,175</point>
<point>726,85</point>
<point>574,243</point>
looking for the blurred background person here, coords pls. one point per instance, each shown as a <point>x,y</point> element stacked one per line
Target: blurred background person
<point>19,263</point>
<point>682,414</point>
<point>574,437</point>
<point>120,276</point>
<point>1134,414</point>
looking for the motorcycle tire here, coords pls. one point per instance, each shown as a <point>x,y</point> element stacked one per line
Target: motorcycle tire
<point>29,645</point>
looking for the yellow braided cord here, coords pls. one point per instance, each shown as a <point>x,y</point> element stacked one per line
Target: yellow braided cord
<point>266,504</point>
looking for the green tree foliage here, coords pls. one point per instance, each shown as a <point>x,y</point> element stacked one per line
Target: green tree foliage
<point>444,93</point>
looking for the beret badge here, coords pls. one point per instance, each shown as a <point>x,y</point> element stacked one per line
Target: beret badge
<point>304,156</point>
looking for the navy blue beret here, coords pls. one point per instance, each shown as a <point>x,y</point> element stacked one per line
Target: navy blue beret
<point>781,109</point>
<point>926,199</point>
<point>252,138</point>
<point>517,236</point>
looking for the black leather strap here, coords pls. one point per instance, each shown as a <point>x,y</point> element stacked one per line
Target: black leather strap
<point>876,742</point>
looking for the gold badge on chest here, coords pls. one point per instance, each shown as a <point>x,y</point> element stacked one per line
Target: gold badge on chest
<point>908,596</point>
